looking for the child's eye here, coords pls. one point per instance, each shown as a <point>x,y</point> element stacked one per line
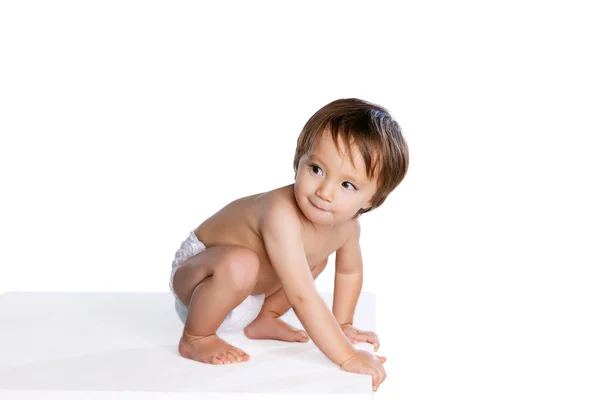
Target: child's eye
<point>350,186</point>
<point>316,169</point>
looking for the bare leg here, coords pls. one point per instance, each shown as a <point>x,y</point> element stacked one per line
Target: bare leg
<point>267,324</point>
<point>211,284</point>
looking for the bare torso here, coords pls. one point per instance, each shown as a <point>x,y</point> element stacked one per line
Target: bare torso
<point>238,223</point>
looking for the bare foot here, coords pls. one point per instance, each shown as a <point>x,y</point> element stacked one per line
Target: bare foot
<point>270,327</point>
<point>210,349</point>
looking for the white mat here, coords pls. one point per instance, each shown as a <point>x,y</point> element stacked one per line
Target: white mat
<point>124,346</point>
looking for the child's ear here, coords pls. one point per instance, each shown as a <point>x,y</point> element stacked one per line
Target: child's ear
<point>368,206</point>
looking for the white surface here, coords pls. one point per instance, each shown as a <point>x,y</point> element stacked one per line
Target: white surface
<point>124,346</point>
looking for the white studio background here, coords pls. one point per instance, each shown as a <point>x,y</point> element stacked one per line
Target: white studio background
<point>124,124</point>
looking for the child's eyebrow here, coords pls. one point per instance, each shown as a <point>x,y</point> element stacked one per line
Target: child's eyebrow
<point>316,158</point>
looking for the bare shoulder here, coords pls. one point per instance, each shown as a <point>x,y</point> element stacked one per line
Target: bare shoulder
<point>279,210</point>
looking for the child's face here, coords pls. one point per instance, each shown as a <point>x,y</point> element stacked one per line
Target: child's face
<point>328,188</point>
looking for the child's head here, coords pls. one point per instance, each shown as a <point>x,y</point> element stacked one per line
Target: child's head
<point>378,158</point>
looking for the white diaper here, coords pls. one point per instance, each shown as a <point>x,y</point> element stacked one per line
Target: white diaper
<point>239,317</point>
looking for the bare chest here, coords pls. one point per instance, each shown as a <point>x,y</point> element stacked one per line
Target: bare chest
<point>317,250</point>
<point>318,247</point>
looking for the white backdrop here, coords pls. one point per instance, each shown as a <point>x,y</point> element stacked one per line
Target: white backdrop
<point>124,124</point>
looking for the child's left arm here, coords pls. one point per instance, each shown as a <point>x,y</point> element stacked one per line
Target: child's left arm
<point>347,287</point>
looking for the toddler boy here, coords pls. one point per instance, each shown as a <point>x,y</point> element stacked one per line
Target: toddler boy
<point>246,265</point>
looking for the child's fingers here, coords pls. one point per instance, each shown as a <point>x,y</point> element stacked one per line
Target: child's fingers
<point>364,336</point>
<point>373,335</point>
<point>369,338</point>
<point>374,339</point>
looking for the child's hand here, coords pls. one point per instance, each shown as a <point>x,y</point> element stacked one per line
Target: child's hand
<point>356,335</point>
<point>365,363</point>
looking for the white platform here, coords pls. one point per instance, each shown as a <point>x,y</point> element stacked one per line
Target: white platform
<point>124,346</point>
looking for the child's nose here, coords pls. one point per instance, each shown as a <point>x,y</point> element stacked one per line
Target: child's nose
<point>326,192</point>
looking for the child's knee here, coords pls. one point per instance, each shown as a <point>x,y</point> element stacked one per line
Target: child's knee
<point>241,266</point>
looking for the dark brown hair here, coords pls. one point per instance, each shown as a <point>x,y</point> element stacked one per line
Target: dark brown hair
<point>369,127</point>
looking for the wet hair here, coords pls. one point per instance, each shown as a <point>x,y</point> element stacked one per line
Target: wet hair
<point>372,130</point>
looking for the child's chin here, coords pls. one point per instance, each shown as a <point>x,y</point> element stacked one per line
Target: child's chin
<point>321,219</point>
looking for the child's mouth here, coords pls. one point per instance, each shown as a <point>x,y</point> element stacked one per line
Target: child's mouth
<point>317,207</point>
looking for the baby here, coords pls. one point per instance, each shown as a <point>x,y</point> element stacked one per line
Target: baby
<point>256,258</point>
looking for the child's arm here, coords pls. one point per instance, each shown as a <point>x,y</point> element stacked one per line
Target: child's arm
<point>348,284</point>
<point>348,277</point>
<point>277,304</point>
<point>282,234</point>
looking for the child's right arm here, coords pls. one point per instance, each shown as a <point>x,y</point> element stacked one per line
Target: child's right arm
<point>282,235</point>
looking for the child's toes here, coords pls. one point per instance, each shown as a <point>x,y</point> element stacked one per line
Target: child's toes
<point>234,357</point>
<point>223,358</point>
<point>237,354</point>
<point>301,336</point>
<point>243,355</point>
